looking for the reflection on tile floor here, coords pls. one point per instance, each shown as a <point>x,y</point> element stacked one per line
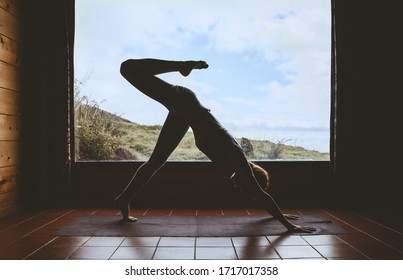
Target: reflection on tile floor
<point>32,237</point>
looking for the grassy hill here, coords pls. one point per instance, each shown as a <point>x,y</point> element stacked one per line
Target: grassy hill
<point>101,135</point>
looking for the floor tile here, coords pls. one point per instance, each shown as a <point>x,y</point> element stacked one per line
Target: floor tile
<point>53,253</point>
<point>15,252</point>
<point>286,240</point>
<point>138,212</point>
<point>177,241</point>
<point>184,212</point>
<point>94,253</point>
<point>140,241</point>
<point>209,212</point>
<point>251,241</point>
<point>322,239</point>
<point>307,259</point>
<point>104,241</point>
<point>113,212</point>
<point>174,253</point>
<point>31,236</point>
<point>158,212</point>
<point>235,212</point>
<point>257,212</point>
<point>213,241</point>
<point>133,253</point>
<point>255,253</point>
<point>339,251</point>
<point>379,252</point>
<point>74,241</point>
<point>215,253</point>
<point>290,251</point>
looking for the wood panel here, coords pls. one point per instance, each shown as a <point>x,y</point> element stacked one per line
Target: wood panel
<point>10,109</point>
<point>10,6</point>
<point>9,153</point>
<point>9,77</point>
<point>9,102</point>
<point>8,199</point>
<point>9,25</point>
<point>8,179</point>
<point>9,52</point>
<point>9,128</point>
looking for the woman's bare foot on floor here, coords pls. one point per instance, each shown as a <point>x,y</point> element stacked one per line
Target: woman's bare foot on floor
<point>190,65</point>
<point>124,209</point>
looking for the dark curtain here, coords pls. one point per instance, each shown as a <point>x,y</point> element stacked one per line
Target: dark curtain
<point>48,32</point>
<point>367,148</point>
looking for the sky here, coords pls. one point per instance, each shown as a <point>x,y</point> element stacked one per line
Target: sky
<point>269,61</point>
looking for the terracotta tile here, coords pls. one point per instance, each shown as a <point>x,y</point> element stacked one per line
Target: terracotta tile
<point>357,239</point>
<point>138,212</point>
<point>30,235</point>
<point>80,212</point>
<point>287,240</point>
<point>15,252</point>
<point>215,253</point>
<point>7,238</point>
<point>184,212</point>
<point>297,252</point>
<point>371,228</point>
<point>255,253</point>
<point>140,241</point>
<point>209,212</point>
<point>174,253</point>
<point>94,253</point>
<point>257,212</point>
<point>251,241</point>
<point>13,220</point>
<point>104,241</point>
<point>53,253</point>
<point>322,239</point>
<point>307,259</point>
<point>133,253</point>
<point>339,251</point>
<point>379,251</point>
<point>158,212</point>
<point>74,241</point>
<point>235,212</point>
<point>213,241</point>
<point>106,212</point>
<point>177,241</point>
<point>33,241</point>
<point>24,247</point>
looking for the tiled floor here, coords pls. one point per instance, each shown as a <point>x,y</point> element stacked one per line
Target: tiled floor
<point>31,236</point>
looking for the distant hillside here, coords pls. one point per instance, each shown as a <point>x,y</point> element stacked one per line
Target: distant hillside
<point>105,136</point>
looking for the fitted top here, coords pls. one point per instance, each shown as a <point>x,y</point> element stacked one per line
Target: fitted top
<point>210,136</point>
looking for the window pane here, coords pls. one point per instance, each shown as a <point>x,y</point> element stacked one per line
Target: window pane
<point>268,82</point>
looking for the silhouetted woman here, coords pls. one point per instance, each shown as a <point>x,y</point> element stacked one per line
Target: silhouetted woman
<point>211,138</point>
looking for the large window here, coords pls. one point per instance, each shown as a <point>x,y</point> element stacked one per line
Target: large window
<point>268,82</point>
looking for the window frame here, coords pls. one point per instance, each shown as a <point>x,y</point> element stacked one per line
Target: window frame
<point>316,175</point>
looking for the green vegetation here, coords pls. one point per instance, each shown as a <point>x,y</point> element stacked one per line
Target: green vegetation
<point>101,135</point>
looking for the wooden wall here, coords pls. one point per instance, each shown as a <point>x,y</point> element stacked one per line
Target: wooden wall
<point>10,90</point>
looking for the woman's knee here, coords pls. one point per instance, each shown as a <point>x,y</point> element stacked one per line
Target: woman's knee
<point>126,68</point>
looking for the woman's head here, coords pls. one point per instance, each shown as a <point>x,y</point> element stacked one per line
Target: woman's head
<point>261,175</point>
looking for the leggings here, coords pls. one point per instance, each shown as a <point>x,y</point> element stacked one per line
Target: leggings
<point>183,105</point>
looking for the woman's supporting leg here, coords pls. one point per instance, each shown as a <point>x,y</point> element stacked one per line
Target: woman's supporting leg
<point>171,134</point>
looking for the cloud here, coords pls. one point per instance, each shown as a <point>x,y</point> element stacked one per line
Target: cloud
<point>290,39</point>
